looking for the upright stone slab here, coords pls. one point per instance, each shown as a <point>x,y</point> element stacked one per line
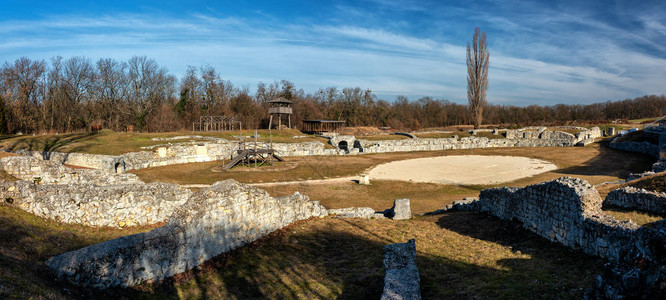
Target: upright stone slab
<point>214,220</point>
<point>400,210</point>
<point>401,278</point>
<point>364,179</point>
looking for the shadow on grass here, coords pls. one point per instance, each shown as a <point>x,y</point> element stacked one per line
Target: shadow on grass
<point>561,272</point>
<point>611,162</point>
<point>51,144</point>
<point>318,258</point>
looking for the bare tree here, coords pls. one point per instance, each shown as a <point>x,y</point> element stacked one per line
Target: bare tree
<point>477,75</point>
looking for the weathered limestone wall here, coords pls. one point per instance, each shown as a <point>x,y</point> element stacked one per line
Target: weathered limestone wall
<point>213,221</point>
<point>94,205</point>
<point>514,138</point>
<point>212,151</point>
<point>639,147</point>
<point>93,161</point>
<point>631,197</point>
<point>53,172</point>
<point>567,211</point>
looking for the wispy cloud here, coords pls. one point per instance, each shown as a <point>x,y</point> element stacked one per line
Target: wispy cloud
<point>539,54</point>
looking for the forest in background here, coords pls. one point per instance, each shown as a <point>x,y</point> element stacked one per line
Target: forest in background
<point>75,94</point>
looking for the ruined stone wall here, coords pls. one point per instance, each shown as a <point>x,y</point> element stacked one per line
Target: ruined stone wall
<point>526,139</point>
<point>53,172</point>
<point>214,220</point>
<point>94,205</point>
<point>639,147</point>
<point>631,197</point>
<point>567,211</point>
<point>220,149</point>
<point>94,161</point>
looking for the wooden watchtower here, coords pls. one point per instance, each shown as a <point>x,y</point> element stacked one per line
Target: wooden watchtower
<point>278,107</point>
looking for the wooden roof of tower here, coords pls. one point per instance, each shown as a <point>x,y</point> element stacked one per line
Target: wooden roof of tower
<point>280,100</point>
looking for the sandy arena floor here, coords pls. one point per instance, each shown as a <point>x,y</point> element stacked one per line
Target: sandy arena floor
<point>461,169</point>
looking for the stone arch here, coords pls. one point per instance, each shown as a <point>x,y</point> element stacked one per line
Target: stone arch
<point>118,166</point>
<point>343,145</point>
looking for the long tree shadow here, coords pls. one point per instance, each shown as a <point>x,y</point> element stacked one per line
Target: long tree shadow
<point>317,258</point>
<point>511,234</point>
<point>46,146</point>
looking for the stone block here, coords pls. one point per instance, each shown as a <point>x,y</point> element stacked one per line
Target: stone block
<point>400,210</point>
<point>161,152</point>
<point>364,179</point>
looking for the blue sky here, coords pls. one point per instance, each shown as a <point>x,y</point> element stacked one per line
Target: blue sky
<point>543,53</point>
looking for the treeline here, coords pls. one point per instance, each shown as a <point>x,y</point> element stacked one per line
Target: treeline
<point>75,94</point>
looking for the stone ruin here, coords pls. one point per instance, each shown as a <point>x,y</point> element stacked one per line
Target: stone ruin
<point>401,278</point>
<point>53,172</point>
<point>639,199</point>
<point>198,226</point>
<point>216,149</point>
<point>85,196</point>
<point>214,220</point>
<point>568,211</point>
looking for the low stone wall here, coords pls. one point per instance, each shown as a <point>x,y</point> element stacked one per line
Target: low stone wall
<point>639,147</point>
<point>214,220</point>
<point>220,149</point>
<point>94,161</point>
<point>401,275</point>
<point>566,210</point>
<point>213,151</point>
<point>640,199</point>
<point>52,172</point>
<point>93,205</point>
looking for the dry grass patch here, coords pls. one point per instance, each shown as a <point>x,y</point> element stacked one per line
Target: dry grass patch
<point>424,197</point>
<point>307,168</point>
<point>28,241</point>
<point>459,255</point>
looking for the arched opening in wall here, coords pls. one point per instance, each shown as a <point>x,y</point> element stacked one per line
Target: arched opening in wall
<point>119,168</point>
<point>342,145</point>
<point>358,146</point>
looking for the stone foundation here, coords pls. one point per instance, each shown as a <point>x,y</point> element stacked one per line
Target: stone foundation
<point>53,172</point>
<point>566,210</point>
<point>94,161</point>
<point>640,199</point>
<point>93,205</point>
<point>639,147</point>
<point>214,220</point>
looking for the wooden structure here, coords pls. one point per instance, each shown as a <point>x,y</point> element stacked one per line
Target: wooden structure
<point>252,154</point>
<point>216,123</point>
<point>279,107</point>
<point>319,126</point>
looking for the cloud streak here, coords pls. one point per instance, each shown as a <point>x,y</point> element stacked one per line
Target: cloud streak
<point>545,56</point>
